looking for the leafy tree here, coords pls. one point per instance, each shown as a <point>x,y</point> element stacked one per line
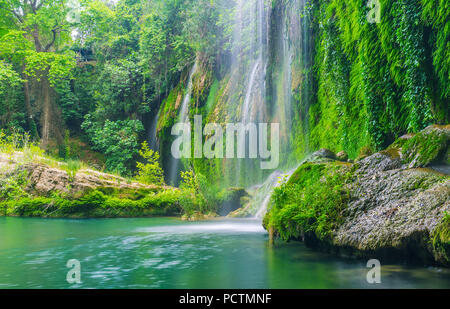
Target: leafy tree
<point>34,37</point>
<point>117,91</point>
<point>150,171</point>
<point>11,115</point>
<point>118,140</point>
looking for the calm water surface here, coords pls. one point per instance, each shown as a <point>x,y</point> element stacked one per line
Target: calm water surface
<point>169,253</point>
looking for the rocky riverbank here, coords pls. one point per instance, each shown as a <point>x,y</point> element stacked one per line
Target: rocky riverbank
<point>394,204</point>
<point>39,186</point>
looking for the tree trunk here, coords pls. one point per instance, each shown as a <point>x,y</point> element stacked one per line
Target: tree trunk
<point>50,114</point>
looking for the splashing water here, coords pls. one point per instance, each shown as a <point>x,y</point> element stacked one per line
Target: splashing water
<point>274,181</point>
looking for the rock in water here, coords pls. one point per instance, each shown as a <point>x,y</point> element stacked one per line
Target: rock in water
<point>390,204</point>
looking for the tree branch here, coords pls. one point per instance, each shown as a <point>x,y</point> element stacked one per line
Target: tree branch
<point>55,30</point>
<point>17,15</point>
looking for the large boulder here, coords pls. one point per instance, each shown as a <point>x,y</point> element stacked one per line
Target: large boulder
<point>44,179</point>
<point>342,156</point>
<point>394,204</point>
<point>427,147</point>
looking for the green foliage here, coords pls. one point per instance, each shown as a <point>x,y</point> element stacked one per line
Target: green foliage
<point>117,91</point>
<point>11,109</point>
<point>12,188</point>
<point>425,147</point>
<point>441,239</point>
<point>376,81</point>
<point>311,202</point>
<point>199,195</point>
<point>15,141</point>
<point>149,172</point>
<point>118,140</point>
<point>358,85</point>
<point>95,204</point>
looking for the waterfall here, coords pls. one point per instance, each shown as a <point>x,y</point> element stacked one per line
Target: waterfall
<point>183,116</point>
<point>290,53</point>
<point>263,192</point>
<point>246,109</point>
<point>249,64</point>
<point>184,111</point>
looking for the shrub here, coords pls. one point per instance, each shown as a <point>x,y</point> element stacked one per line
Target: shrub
<point>149,172</point>
<point>118,140</point>
<point>313,201</point>
<point>198,194</point>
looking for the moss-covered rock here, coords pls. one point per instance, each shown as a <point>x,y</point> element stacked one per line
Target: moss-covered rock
<point>429,146</point>
<point>94,204</point>
<point>441,240</point>
<point>377,207</point>
<point>37,189</point>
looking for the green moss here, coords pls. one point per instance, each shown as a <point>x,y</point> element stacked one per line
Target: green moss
<point>168,112</point>
<point>364,152</point>
<point>441,240</point>
<point>423,181</point>
<point>212,96</point>
<point>96,204</point>
<point>312,201</point>
<point>307,173</point>
<point>425,147</point>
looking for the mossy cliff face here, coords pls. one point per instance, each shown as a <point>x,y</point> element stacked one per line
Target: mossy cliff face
<point>379,207</point>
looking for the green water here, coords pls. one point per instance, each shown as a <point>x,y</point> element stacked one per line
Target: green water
<point>168,253</point>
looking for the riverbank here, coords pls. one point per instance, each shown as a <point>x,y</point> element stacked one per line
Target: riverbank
<point>38,189</point>
<point>393,204</point>
<point>35,185</point>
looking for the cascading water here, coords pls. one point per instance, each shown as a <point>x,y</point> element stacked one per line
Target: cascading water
<point>274,181</point>
<point>253,108</point>
<point>184,111</point>
<point>250,61</point>
<point>183,116</point>
<point>290,50</point>
<point>246,108</point>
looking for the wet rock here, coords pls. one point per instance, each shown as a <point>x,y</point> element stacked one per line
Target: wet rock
<point>395,210</point>
<point>44,179</point>
<point>397,207</point>
<point>232,201</point>
<point>321,155</point>
<point>428,146</point>
<point>325,153</point>
<point>197,216</point>
<point>378,162</point>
